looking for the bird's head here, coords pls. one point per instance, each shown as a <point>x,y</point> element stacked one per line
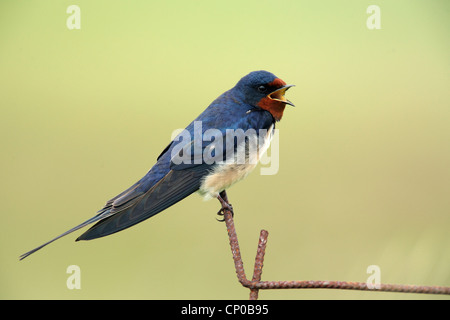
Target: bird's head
<point>264,90</point>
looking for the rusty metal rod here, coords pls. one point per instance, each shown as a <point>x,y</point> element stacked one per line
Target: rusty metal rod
<point>256,284</point>
<point>259,260</point>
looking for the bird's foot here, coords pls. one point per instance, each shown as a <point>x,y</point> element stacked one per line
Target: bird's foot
<point>223,198</point>
<point>221,212</point>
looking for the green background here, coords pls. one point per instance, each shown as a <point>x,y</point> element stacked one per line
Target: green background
<point>364,176</point>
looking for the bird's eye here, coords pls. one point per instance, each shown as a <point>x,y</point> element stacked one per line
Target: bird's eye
<point>262,89</point>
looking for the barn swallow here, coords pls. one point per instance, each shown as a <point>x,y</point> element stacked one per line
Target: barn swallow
<point>252,106</point>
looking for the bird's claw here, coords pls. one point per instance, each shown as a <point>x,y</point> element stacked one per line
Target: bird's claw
<point>221,212</point>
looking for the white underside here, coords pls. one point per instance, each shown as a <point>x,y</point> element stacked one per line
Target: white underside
<point>226,174</point>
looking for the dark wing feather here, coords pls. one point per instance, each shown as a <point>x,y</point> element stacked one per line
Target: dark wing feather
<point>164,151</point>
<point>175,186</point>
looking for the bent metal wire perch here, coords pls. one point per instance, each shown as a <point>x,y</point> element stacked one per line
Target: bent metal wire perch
<point>256,284</point>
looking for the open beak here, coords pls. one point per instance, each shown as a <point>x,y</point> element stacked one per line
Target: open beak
<point>278,95</point>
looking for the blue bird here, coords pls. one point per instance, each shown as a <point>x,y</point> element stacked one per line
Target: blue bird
<point>220,147</point>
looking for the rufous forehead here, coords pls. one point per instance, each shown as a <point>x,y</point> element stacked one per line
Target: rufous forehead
<point>277,83</point>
